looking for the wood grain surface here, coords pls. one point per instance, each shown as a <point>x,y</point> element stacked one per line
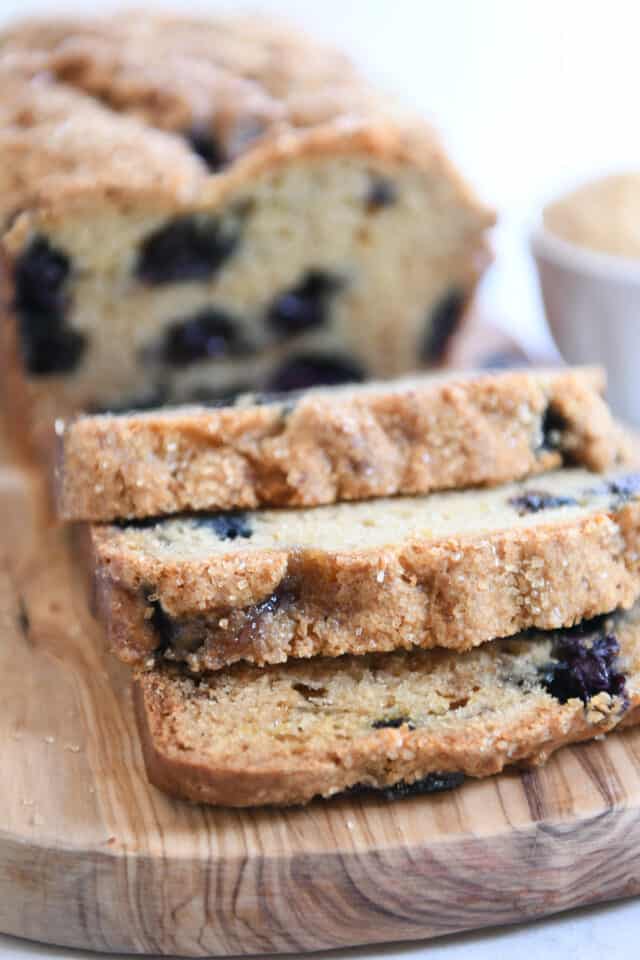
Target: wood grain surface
<point>92,856</point>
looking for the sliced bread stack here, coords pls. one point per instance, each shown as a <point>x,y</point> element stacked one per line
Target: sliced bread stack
<point>389,586</point>
<point>314,590</point>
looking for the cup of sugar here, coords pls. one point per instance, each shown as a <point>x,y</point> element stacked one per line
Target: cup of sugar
<point>587,253</point>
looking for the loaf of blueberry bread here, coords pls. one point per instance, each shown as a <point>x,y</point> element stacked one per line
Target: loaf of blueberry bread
<point>450,569</point>
<point>337,443</point>
<point>191,208</point>
<point>404,722</point>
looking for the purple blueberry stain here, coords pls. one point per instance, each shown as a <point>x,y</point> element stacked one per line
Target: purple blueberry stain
<point>625,488</point>
<point>233,525</point>
<point>382,193</point>
<point>533,501</point>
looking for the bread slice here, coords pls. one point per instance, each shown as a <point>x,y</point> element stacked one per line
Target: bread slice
<point>418,720</point>
<point>194,207</point>
<point>341,443</point>
<point>452,569</point>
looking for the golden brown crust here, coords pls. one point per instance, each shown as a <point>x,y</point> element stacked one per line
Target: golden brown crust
<point>493,712</point>
<point>405,438</point>
<point>451,590</point>
<point>215,75</point>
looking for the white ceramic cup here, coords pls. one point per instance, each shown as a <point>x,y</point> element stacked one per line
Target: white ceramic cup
<point>592,303</point>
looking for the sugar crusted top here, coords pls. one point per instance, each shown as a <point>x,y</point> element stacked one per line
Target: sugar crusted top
<point>138,104</point>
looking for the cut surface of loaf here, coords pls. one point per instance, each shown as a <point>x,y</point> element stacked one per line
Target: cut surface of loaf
<point>196,207</point>
<point>451,569</point>
<point>284,734</point>
<point>407,436</point>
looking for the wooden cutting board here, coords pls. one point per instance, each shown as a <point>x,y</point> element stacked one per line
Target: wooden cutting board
<point>91,856</point>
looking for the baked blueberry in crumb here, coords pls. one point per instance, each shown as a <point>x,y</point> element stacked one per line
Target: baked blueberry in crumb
<point>52,352</point>
<point>40,276</point>
<point>432,783</point>
<point>442,323</point>
<point>625,488</point>
<point>585,664</point>
<point>282,596</point>
<point>208,335</point>
<point>226,526</point>
<point>139,523</point>
<point>382,193</point>
<point>186,248</point>
<point>305,306</point>
<point>553,426</point>
<point>315,370</point>
<point>203,142</point>
<point>393,722</point>
<point>176,638</point>
<point>533,501</point>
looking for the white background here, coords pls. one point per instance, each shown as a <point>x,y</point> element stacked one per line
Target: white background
<point>532,96</point>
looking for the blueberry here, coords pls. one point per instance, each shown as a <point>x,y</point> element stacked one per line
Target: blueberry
<point>41,272</point>
<point>138,523</point>
<point>553,426</point>
<point>382,193</point>
<point>313,370</point>
<point>625,488</point>
<point>581,668</point>
<point>285,594</point>
<point>54,352</point>
<point>441,324</point>
<point>226,526</point>
<point>186,248</point>
<point>533,501</point>
<point>432,783</point>
<point>305,306</point>
<point>393,722</point>
<point>40,277</point>
<point>208,335</point>
<point>203,142</point>
<point>180,637</point>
